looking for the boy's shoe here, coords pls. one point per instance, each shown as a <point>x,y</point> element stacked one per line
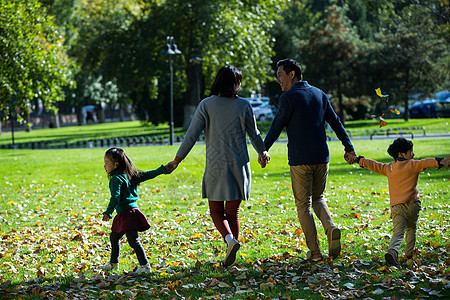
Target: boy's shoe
<point>315,256</point>
<point>391,257</point>
<point>334,242</point>
<point>109,266</point>
<point>143,269</point>
<point>233,247</point>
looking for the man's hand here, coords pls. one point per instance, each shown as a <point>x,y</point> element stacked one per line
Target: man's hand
<point>264,159</point>
<point>106,217</point>
<point>350,157</point>
<point>444,162</point>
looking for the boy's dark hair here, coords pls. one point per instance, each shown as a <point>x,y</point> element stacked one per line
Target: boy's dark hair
<point>291,65</point>
<point>400,145</point>
<point>227,82</point>
<point>119,156</point>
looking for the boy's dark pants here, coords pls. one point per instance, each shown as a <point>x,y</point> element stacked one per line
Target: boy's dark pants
<point>133,241</point>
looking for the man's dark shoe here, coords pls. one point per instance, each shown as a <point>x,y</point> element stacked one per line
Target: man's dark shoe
<point>391,257</point>
<point>315,256</point>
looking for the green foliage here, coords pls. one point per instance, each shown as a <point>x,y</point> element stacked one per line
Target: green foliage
<point>221,32</point>
<point>34,64</point>
<point>350,48</point>
<point>412,58</point>
<point>95,26</point>
<point>333,48</point>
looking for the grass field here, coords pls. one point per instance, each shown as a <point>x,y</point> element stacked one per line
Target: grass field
<point>53,239</point>
<point>73,134</point>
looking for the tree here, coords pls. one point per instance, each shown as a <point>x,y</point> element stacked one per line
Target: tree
<point>34,64</point>
<point>221,32</point>
<point>331,53</point>
<point>98,23</point>
<point>413,55</point>
<point>293,25</point>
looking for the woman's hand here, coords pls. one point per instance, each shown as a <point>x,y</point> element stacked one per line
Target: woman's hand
<point>106,217</point>
<point>171,166</point>
<point>264,159</point>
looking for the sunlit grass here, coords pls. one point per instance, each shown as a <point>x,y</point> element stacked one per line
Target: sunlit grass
<point>51,203</point>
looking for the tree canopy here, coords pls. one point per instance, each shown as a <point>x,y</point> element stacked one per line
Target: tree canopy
<point>34,64</point>
<point>109,52</point>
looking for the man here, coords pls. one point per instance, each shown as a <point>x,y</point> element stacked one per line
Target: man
<point>303,111</point>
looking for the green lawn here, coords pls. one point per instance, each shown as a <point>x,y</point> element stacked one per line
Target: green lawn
<point>72,134</point>
<point>53,239</point>
<point>88,132</point>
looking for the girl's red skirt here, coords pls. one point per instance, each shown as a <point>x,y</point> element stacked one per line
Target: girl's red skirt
<point>132,219</point>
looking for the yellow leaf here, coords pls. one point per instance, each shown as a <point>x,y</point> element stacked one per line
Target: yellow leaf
<point>379,94</point>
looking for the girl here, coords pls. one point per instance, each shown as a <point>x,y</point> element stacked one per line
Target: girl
<point>124,178</point>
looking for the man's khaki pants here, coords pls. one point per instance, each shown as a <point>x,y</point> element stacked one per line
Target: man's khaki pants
<point>308,185</point>
<point>404,217</point>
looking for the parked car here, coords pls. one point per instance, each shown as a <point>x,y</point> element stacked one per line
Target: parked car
<point>261,108</point>
<point>430,108</point>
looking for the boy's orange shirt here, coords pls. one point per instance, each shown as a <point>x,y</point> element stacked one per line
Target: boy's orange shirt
<point>402,176</point>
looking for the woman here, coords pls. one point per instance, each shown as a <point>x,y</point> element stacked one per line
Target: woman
<point>225,119</point>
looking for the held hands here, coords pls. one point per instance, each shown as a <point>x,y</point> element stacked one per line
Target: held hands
<point>445,162</point>
<point>350,157</point>
<point>106,217</point>
<point>171,166</point>
<point>264,159</point>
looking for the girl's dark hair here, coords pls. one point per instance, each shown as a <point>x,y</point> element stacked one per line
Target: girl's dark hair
<point>227,82</point>
<point>400,145</point>
<point>291,65</point>
<point>118,155</point>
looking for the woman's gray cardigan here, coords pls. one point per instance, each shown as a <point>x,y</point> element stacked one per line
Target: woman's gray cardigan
<point>225,122</point>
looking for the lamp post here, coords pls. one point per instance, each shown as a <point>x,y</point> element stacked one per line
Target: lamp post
<point>171,48</point>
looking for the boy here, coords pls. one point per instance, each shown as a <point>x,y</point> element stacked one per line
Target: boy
<point>403,175</point>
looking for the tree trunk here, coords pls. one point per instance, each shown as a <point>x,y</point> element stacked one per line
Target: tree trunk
<point>27,121</point>
<point>341,106</point>
<point>121,113</point>
<point>56,121</point>
<point>193,94</point>
<point>406,116</point>
<point>101,113</point>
